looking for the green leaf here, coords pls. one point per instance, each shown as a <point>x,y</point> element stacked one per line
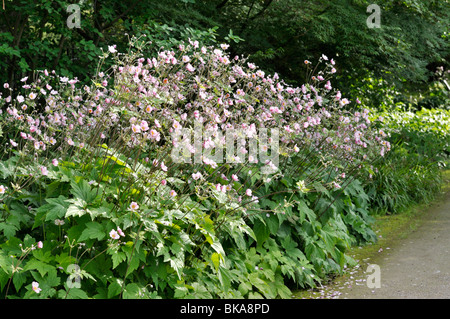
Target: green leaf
<point>320,188</point>
<point>305,211</point>
<point>134,291</point>
<point>215,258</point>
<point>177,264</point>
<point>82,190</point>
<point>93,230</point>
<point>41,267</point>
<point>65,260</point>
<point>115,288</point>
<point>9,230</point>
<point>55,209</point>
<point>5,262</point>
<point>77,208</point>
<point>261,231</point>
<point>117,258</point>
<point>19,278</point>
<point>260,284</point>
<point>72,293</point>
<point>224,278</point>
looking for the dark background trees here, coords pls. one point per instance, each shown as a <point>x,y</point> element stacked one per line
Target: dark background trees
<point>278,35</point>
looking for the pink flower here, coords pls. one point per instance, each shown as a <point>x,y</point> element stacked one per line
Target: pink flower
<point>197,175</point>
<point>40,244</point>
<point>144,126</point>
<point>344,101</point>
<point>176,125</point>
<point>136,128</point>
<point>134,206</point>
<point>113,234</point>
<point>163,167</point>
<point>173,193</point>
<point>190,68</point>
<point>338,96</point>
<point>2,189</point>
<point>234,177</point>
<point>121,233</point>
<point>55,162</point>
<point>164,182</point>
<point>155,135</point>
<point>44,170</point>
<point>248,192</point>
<point>336,185</point>
<point>35,287</point>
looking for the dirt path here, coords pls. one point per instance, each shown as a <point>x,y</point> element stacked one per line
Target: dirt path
<point>415,266</point>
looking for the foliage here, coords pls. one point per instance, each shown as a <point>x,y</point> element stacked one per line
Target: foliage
<point>96,205</point>
<point>411,172</point>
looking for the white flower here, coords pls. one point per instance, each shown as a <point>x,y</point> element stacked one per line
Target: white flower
<point>190,68</point>
<point>197,175</point>
<point>112,48</point>
<point>44,170</point>
<point>134,206</point>
<point>2,189</point>
<point>35,286</point>
<point>113,234</point>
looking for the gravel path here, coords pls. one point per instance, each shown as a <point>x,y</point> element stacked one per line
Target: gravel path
<point>417,266</point>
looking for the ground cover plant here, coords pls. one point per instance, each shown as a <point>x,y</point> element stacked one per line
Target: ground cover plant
<point>109,190</point>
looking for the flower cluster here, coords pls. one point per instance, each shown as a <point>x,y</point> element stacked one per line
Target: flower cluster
<point>145,101</point>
